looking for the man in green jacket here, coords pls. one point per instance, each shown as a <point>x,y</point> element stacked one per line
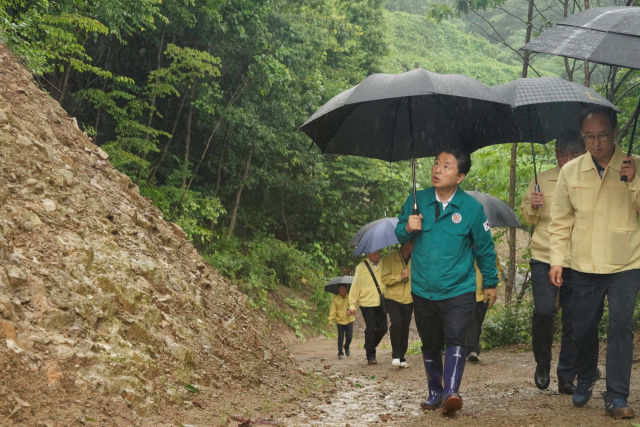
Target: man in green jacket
<point>450,233</point>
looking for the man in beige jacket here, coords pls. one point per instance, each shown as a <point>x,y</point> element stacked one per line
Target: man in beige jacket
<point>536,210</point>
<point>599,215</point>
<point>396,276</point>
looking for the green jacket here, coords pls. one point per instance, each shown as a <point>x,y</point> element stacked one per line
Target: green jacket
<point>442,262</point>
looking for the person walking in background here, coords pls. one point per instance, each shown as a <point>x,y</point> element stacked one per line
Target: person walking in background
<point>536,210</point>
<point>344,321</point>
<point>396,276</point>
<point>472,340</point>
<point>450,231</point>
<point>598,214</point>
<point>366,289</point>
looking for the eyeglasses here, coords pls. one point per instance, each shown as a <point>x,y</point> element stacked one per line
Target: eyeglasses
<point>590,139</point>
<point>568,156</point>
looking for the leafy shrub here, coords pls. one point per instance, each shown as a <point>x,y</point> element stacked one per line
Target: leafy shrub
<point>507,325</point>
<point>258,266</point>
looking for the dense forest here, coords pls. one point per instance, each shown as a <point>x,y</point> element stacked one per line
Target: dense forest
<point>199,102</point>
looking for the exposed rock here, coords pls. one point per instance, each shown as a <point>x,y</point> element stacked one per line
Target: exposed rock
<point>98,294</point>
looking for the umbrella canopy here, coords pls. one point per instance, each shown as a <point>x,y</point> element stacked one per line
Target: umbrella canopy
<point>335,283</point>
<point>358,236</point>
<point>606,35</point>
<point>381,116</point>
<point>497,212</point>
<point>380,236</point>
<point>546,107</point>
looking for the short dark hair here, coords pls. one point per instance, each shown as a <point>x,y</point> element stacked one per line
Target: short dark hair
<point>343,284</point>
<point>462,157</point>
<point>598,109</point>
<point>570,141</point>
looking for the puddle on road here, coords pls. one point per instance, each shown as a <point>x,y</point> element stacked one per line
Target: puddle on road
<point>361,401</point>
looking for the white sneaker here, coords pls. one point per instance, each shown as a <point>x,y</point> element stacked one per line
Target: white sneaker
<point>404,365</point>
<point>395,362</point>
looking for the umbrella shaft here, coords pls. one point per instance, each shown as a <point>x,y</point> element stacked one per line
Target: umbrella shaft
<point>416,211</point>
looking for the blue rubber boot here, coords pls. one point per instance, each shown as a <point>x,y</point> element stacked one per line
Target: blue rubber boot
<point>433,367</point>
<point>454,360</point>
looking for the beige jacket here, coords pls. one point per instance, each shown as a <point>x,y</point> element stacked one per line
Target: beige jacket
<point>598,216</point>
<point>363,289</point>
<point>479,288</point>
<point>395,289</point>
<point>541,218</point>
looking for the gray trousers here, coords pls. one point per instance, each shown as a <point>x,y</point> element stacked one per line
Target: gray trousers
<point>589,290</point>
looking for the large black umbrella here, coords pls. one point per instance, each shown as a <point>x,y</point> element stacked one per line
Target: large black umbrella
<point>546,107</point>
<point>414,114</point>
<point>497,212</point>
<point>606,35</point>
<point>334,284</point>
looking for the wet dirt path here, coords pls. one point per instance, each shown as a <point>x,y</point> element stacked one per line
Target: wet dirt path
<point>499,391</point>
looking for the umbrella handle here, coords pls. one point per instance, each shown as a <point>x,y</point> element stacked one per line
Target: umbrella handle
<point>633,134</point>
<point>537,189</point>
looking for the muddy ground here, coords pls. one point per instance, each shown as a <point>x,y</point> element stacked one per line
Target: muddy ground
<point>499,391</point>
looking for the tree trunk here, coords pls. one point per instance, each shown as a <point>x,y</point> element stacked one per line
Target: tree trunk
<point>65,82</point>
<point>511,237</point>
<point>165,148</point>
<point>245,175</point>
<point>153,106</point>
<point>221,161</point>
<point>587,73</point>
<point>566,60</point>
<point>187,145</point>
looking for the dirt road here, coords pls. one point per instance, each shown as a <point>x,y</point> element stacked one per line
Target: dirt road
<point>499,391</point>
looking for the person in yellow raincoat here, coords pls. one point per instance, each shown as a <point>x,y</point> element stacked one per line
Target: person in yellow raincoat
<point>344,321</point>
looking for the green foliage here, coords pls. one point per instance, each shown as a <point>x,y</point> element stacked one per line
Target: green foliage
<point>506,325</point>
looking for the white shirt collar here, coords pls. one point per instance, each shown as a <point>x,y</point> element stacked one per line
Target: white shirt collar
<point>446,203</point>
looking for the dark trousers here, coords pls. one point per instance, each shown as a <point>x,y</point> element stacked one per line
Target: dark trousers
<point>445,321</point>
<point>345,334</point>
<point>544,316</point>
<point>375,321</point>
<point>621,289</point>
<point>472,339</point>
<point>400,316</point>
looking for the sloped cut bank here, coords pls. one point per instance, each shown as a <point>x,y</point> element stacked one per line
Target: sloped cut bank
<point>102,302</point>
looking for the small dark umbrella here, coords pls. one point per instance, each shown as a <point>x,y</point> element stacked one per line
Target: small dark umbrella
<point>497,212</point>
<point>381,235</point>
<point>334,284</point>
<point>546,107</point>
<point>414,114</point>
<point>606,35</point>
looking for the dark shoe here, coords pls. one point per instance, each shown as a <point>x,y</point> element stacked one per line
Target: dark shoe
<point>454,360</point>
<point>372,362</point>
<point>347,352</point>
<point>584,390</point>
<point>566,387</point>
<point>433,368</point>
<point>618,409</point>
<point>541,377</point>
<point>340,356</point>
<point>473,357</point>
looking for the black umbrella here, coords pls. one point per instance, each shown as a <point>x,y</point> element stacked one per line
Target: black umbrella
<point>497,212</point>
<point>546,107</point>
<point>606,35</point>
<point>335,283</point>
<point>414,114</point>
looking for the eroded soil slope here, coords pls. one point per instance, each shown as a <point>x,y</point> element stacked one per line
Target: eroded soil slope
<point>107,311</point>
